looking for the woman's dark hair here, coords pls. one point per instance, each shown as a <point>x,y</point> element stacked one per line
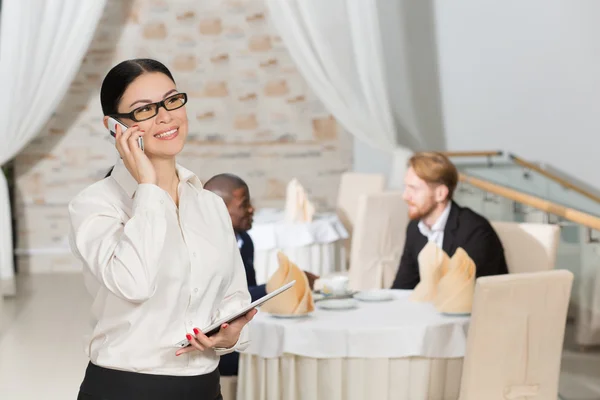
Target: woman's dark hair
<point>120,77</point>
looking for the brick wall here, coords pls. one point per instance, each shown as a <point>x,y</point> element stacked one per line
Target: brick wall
<point>250,113</point>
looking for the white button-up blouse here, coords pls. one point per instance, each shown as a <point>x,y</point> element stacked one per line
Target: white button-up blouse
<point>156,271</point>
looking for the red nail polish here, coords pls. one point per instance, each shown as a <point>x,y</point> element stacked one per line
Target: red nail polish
<point>188,336</point>
<point>135,126</point>
<point>196,331</point>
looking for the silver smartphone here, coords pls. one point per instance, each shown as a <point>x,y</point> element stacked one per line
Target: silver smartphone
<point>112,128</point>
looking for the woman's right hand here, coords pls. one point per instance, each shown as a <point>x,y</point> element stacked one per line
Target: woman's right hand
<point>137,163</point>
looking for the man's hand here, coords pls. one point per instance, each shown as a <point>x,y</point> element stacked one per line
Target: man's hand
<point>311,279</point>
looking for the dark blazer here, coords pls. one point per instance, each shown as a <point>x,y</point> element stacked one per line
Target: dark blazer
<point>464,228</point>
<point>247,252</point>
<point>228,364</point>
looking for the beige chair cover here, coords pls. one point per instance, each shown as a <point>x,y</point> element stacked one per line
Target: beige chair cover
<point>378,240</point>
<point>515,338</point>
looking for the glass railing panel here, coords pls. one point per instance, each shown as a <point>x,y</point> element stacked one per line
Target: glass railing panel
<point>530,182</point>
<point>569,257</point>
<point>586,301</point>
<point>493,207</point>
<point>497,208</point>
<point>572,198</point>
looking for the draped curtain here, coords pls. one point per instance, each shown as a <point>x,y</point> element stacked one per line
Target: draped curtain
<point>337,47</point>
<point>42,44</point>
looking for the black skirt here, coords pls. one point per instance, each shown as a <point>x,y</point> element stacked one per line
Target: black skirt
<point>110,384</point>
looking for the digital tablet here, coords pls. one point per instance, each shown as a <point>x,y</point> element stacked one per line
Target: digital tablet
<point>214,328</point>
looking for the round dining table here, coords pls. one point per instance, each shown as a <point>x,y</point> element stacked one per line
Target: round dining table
<point>395,349</point>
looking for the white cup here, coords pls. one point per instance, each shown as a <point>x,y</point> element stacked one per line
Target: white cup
<point>337,285</point>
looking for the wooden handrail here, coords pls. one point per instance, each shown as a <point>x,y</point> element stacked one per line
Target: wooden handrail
<point>579,217</point>
<point>472,153</point>
<point>553,177</point>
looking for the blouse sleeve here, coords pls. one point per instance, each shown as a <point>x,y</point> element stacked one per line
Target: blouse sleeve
<point>123,256</point>
<point>236,295</point>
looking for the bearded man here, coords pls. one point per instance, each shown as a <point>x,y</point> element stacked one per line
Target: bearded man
<point>428,188</point>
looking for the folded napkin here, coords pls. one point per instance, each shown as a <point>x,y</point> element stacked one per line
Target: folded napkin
<point>297,206</point>
<point>433,264</point>
<point>457,286</point>
<point>296,300</point>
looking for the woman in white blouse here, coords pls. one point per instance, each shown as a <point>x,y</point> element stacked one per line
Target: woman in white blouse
<point>160,256</point>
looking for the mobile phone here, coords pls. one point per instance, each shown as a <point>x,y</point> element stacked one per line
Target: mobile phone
<point>112,128</point>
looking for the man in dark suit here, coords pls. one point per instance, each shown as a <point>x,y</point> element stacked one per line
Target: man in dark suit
<point>429,185</point>
<point>234,191</point>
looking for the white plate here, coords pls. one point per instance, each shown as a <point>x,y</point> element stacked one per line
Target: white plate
<point>291,316</point>
<point>374,295</point>
<point>337,304</point>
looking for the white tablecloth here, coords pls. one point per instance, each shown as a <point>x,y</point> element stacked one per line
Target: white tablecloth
<point>301,378</point>
<point>315,247</point>
<point>397,349</point>
<point>392,329</point>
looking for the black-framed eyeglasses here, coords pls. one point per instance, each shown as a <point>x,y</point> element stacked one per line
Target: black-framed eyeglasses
<point>150,110</point>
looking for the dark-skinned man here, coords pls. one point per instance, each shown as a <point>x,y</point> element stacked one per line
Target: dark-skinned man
<point>236,195</point>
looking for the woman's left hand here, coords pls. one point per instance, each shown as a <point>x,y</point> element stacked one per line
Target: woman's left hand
<point>226,338</point>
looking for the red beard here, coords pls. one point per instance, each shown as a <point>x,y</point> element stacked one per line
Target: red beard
<point>416,213</point>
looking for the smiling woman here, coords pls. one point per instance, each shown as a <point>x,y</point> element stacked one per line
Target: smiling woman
<point>124,97</point>
<point>159,253</point>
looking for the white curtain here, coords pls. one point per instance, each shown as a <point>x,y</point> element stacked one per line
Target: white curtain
<point>337,47</point>
<point>42,43</point>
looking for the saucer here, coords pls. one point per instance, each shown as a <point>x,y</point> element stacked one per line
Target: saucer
<point>337,304</point>
<point>374,295</point>
<point>320,295</point>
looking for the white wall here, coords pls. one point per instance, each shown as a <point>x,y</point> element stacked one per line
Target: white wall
<point>370,160</point>
<point>515,75</point>
<point>523,76</point>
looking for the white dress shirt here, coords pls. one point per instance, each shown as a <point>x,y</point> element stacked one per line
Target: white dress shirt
<point>156,271</point>
<point>435,234</point>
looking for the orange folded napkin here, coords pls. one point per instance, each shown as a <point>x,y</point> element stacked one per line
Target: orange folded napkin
<point>456,288</point>
<point>296,300</point>
<point>433,264</point>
